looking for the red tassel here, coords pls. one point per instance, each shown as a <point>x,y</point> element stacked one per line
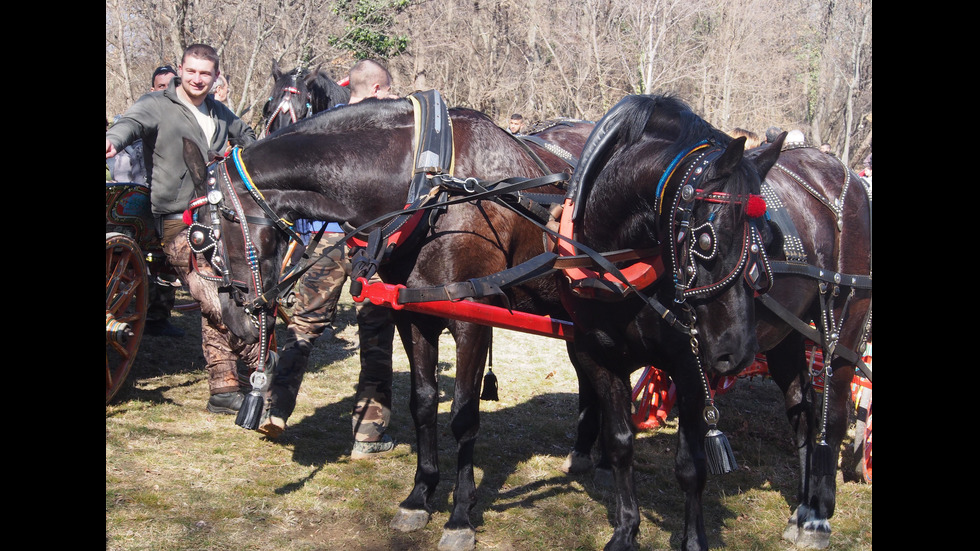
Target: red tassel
<point>755,207</point>
<point>188,217</point>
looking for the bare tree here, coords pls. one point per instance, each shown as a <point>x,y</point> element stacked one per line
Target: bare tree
<point>747,63</point>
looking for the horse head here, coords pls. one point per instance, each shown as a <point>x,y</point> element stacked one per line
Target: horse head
<point>290,99</point>
<point>240,240</point>
<point>675,182</point>
<point>722,262</point>
<point>298,94</point>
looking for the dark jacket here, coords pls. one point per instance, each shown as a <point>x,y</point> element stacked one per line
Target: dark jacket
<point>161,120</point>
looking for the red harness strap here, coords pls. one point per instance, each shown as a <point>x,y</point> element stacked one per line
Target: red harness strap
<point>398,237</point>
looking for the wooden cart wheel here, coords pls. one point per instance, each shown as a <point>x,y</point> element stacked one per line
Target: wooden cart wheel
<point>125,308</point>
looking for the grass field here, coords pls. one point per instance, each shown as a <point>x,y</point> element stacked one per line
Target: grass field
<point>178,477</point>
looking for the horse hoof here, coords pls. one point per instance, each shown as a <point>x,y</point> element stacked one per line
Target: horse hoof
<point>603,478</point>
<point>576,463</point>
<point>792,531</point>
<point>409,520</point>
<point>815,534</point>
<point>459,539</point>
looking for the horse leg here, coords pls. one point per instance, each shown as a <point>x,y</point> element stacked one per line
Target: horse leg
<point>815,530</point>
<point>690,463</point>
<point>617,437</point>
<point>420,336</point>
<point>472,342</point>
<point>809,525</point>
<point>579,460</point>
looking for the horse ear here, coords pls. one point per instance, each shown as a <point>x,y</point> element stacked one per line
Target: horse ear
<point>196,166</point>
<point>313,75</point>
<point>276,71</point>
<point>768,158</point>
<point>729,160</point>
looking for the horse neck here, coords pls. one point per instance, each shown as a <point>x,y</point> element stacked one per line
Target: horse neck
<point>351,177</point>
<point>621,209</point>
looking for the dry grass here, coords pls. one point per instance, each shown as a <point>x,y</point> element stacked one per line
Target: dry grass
<point>178,477</point>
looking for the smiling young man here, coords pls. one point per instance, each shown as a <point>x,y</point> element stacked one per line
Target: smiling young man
<point>161,119</point>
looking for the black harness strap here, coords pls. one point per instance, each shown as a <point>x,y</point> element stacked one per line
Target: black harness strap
<point>492,285</point>
<point>820,274</point>
<point>534,156</point>
<point>811,332</point>
<point>507,185</point>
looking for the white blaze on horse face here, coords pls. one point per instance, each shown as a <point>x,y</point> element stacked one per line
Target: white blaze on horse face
<point>196,78</point>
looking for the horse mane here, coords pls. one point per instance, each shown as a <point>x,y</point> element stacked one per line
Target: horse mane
<point>325,93</point>
<point>667,118</point>
<point>378,114</point>
<point>640,137</point>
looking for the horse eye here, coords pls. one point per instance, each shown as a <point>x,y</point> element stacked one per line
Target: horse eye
<point>704,241</point>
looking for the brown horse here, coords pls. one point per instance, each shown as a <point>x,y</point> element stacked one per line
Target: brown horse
<point>352,165</point>
<point>824,276</point>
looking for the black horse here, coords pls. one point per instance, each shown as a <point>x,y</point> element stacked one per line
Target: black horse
<point>823,276</point>
<point>298,94</point>
<point>353,165</point>
<point>672,183</point>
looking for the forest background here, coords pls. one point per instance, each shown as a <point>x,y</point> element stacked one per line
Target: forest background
<point>803,64</point>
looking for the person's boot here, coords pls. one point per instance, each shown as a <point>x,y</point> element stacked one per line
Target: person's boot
<point>293,358</point>
<point>227,403</point>
<point>369,450</point>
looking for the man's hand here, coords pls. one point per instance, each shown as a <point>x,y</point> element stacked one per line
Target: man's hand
<point>110,150</point>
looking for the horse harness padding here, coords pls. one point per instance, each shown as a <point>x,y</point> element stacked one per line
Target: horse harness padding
<point>434,154</point>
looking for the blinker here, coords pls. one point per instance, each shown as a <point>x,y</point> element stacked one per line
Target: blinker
<point>704,241</point>
<point>197,238</point>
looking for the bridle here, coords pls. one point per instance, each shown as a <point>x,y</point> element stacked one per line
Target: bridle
<point>285,106</point>
<point>693,244</point>
<point>206,238</point>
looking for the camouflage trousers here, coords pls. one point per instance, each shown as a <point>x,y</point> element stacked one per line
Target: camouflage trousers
<point>221,349</point>
<point>316,297</point>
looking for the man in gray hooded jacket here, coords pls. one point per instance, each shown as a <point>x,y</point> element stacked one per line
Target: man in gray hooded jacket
<point>161,119</point>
